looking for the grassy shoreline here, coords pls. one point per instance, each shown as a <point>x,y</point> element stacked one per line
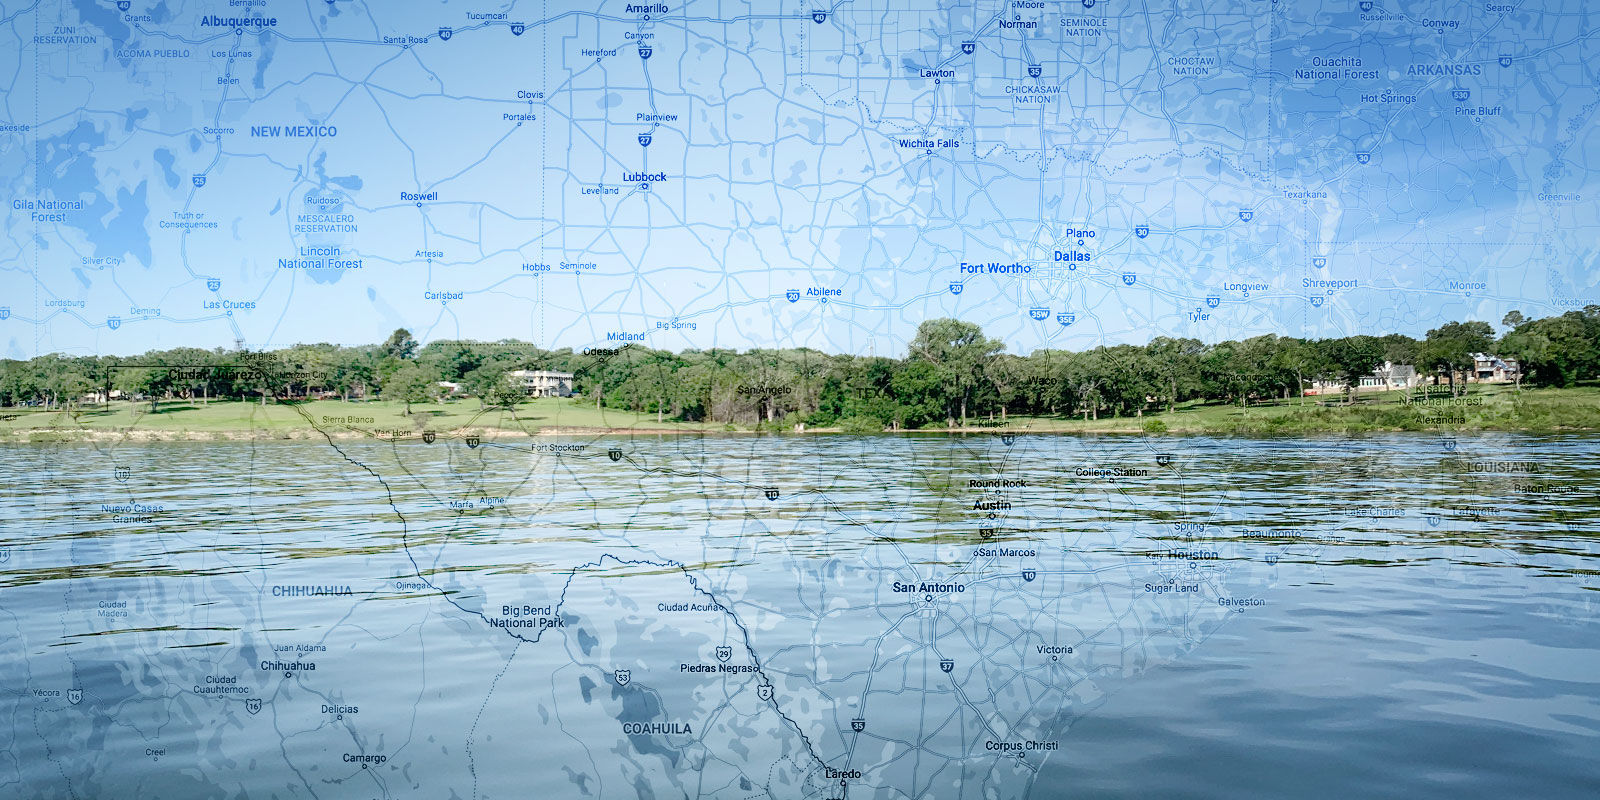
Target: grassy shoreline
<point>1483,408</point>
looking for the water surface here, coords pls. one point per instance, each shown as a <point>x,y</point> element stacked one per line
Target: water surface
<point>1030,616</point>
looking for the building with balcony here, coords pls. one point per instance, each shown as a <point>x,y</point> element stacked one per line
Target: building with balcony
<point>542,382</point>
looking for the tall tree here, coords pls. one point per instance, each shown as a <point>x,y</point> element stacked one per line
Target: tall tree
<point>400,345</point>
<point>411,384</point>
<point>1176,365</point>
<point>960,353</point>
<point>1449,348</point>
<point>1350,359</point>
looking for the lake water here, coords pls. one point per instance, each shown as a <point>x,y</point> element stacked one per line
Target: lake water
<point>820,616</point>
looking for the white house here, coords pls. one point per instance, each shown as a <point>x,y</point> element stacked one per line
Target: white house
<point>1389,377</point>
<point>542,382</point>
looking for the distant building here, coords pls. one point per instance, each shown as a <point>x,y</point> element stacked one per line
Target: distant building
<point>1387,378</point>
<point>542,382</point>
<point>449,388</point>
<point>1493,369</point>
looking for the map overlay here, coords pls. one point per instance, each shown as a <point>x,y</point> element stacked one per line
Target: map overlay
<point>1064,174</point>
<point>612,613</point>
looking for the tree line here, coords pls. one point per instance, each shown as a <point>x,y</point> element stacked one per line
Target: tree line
<point>950,375</point>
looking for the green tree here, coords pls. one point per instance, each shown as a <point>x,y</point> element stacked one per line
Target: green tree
<point>353,370</point>
<point>1176,367</point>
<point>1223,373</point>
<point>411,384</point>
<point>1400,349</point>
<point>1350,359</point>
<point>1529,347</point>
<point>451,360</point>
<point>1559,351</point>
<point>68,383</point>
<point>1006,374</point>
<point>491,384</point>
<point>400,345</point>
<point>960,354</point>
<point>1297,358</point>
<point>1449,348</point>
<point>917,390</point>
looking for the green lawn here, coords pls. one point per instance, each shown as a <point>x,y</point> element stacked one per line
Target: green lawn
<point>1493,407</point>
<point>305,420</point>
<point>1486,408</point>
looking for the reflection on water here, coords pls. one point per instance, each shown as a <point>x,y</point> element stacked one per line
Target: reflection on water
<point>1043,616</point>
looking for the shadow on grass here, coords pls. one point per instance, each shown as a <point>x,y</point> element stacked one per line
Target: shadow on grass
<point>163,410</point>
<point>93,413</point>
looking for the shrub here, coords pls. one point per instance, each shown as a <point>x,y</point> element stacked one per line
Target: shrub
<point>861,425</point>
